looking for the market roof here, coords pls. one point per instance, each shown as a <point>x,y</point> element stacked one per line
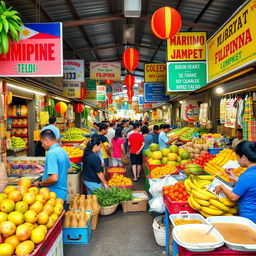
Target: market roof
<point>93,30</point>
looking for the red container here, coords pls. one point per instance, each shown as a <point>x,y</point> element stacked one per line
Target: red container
<point>76,159</point>
<point>110,174</point>
<point>176,207</point>
<point>184,141</point>
<point>222,251</point>
<point>130,186</point>
<point>153,166</point>
<point>175,173</point>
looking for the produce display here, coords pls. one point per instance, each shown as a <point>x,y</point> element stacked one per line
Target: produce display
<point>193,169</point>
<point>116,169</point>
<point>17,143</point>
<point>176,192</point>
<point>75,167</point>
<point>119,180</point>
<point>196,147</point>
<point>73,134</point>
<point>73,151</point>
<point>77,130</point>
<point>211,135</point>
<point>205,202</point>
<point>187,133</point>
<point>162,171</point>
<point>26,215</point>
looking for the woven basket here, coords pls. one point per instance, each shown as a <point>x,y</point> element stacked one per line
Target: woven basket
<point>159,232</point>
<point>95,218</point>
<point>108,210</point>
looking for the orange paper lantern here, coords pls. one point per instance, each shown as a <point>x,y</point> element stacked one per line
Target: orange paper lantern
<point>110,101</point>
<point>94,113</point>
<point>129,81</point>
<point>130,93</point>
<point>165,22</point>
<point>108,82</point>
<point>130,100</point>
<point>61,107</point>
<point>109,96</point>
<point>82,93</point>
<point>131,59</point>
<point>79,107</point>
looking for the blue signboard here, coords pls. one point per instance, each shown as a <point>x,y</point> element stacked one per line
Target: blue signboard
<point>141,100</point>
<point>155,92</point>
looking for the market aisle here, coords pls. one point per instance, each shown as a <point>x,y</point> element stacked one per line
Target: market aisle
<point>126,234</point>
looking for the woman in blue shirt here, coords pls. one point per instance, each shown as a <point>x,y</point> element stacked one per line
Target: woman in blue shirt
<point>147,138</point>
<point>245,189</point>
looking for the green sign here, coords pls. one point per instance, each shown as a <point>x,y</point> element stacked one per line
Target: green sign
<point>101,93</point>
<point>185,76</point>
<point>90,89</point>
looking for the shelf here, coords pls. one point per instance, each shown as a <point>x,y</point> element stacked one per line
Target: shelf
<point>19,126</point>
<point>20,135</point>
<point>17,117</point>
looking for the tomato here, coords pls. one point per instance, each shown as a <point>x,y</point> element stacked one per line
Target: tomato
<point>166,192</point>
<point>180,190</point>
<point>180,197</point>
<point>165,188</point>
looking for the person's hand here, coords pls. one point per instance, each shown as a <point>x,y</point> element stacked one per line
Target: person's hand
<point>230,173</point>
<point>106,186</point>
<point>35,184</point>
<point>218,189</point>
<point>102,164</point>
<point>138,152</point>
<point>39,168</point>
<point>177,137</point>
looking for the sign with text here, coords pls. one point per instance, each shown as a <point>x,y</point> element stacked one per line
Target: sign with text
<point>38,53</point>
<point>232,47</point>
<point>71,89</point>
<point>105,70</point>
<point>185,76</point>
<point>101,93</point>
<point>154,92</point>
<point>90,89</point>
<point>154,72</point>
<point>73,70</point>
<point>188,46</point>
<point>141,88</point>
<point>116,88</point>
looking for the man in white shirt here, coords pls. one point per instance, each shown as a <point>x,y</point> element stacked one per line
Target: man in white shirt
<point>111,133</point>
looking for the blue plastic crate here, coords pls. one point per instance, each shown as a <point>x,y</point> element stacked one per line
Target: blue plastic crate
<point>77,235</point>
<point>214,151</point>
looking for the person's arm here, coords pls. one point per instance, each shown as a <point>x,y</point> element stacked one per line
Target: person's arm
<point>106,147</point>
<point>53,178</point>
<point>98,169</point>
<point>102,178</point>
<point>171,140</point>
<point>123,149</point>
<point>70,170</point>
<point>142,146</point>
<point>228,193</point>
<point>233,146</point>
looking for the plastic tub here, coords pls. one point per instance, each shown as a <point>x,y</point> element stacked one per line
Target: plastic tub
<point>214,151</point>
<point>200,247</point>
<point>239,220</point>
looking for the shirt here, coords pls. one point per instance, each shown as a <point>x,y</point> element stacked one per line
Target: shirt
<point>235,142</point>
<point>91,166</point>
<point>246,189</point>
<point>162,139</point>
<point>54,129</point>
<point>154,137</point>
<point>148,140</point>
<point>110,135</point>
<point>130,133</point>
<point>116,146</point>
<point>104,141</point>
<point>135,140</point>
<point>57,162</point>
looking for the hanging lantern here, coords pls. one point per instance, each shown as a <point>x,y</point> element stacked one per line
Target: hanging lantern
<point>165,22</point>
<point>109,96</point>
<point>82,93</point>
<point>130,100</point>
<point>94,113</point>
<point>130,93</point>
<point>110,101</point>
<point>61,107</point>
<point>129,81</point>
<point>79,107</point>
<point>131,59</point>
<point>108,82</point>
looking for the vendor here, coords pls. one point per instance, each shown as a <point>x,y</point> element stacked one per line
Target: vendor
<point>163,139</point>
<point>92,171</point>
<point>238,139</point>
<point>245,189</point>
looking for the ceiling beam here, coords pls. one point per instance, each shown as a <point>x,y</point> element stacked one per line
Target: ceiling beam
<point>146,5</point>
<point>159,46</point>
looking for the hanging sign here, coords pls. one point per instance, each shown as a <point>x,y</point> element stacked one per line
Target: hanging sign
<point>101,93</point>
<point>38,53</point>
<point>232,47</point>
<point>203,113</point>
<point>105,70</point>
<point>73,70</point>
<point>187,46</point>
<point>189,111</point>
<point>90,89</point>
<point>154,92</point>
<point>72,89</point>
<point>231,113</point>
<point>155,72</point>
<point>185,76</point>
<point>141,88</point>
<point>117,88</point>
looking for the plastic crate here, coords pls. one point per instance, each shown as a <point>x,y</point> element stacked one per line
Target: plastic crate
<point>153,166</point>
<point>110,174</point>
<point>57,247</point>
<point>176,207</point>
<point>136,206</point>
<point>214,151</point>
<point>222,251</point>
<point>77,235</point>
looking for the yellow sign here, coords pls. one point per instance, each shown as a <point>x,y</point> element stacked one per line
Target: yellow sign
<point>154,72</point>
<point>232,47</point>
<point>187,46</point>
<point>44,118</point>
<point>72,89</point>
<point>105,71</point>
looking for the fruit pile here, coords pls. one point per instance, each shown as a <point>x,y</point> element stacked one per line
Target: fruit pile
<point>211,135</point>
<point>116,169</point>
<point>75,167</point>
<point>73,151</point>
<point>17,142</point>
<point>119,180</point>
<point>205,202</point>
<point>188,135</point>
<point>193,169</point>
<point>238,171</point>
<point>26,215</point>
<point>176,192</point>
<point>196,148</point>
<point>162,171</point>
<point>77,130</point>
<point>73,135</point>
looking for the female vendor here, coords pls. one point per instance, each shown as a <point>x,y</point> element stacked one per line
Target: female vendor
<point>245,189</point>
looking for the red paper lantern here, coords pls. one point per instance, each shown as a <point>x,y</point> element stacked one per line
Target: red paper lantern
<point>130,100</point>
<point>82,93</point>
<point>61,107</point>
<point>109,96</point>
<point>79,107</point>
<point>130,93</point>
<point>165,22</point>
<point>108,82</point>
<point>131,59</point>
<point>129,81</point>
<point>110,101</point>
<point>94,113</point>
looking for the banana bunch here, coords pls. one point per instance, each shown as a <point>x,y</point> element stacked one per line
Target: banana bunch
<point>205,202</point>
<point>10,24</point>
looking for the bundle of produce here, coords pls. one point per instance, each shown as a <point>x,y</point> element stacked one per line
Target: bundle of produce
<point>73,151</point>
<point>26,215</point>
<point>116,169</point>
<point>201,131</point>
<point>193,169</point>
<point>205,202</point>
<point>196,147</point>
<point>17,143</point>
<point>188,135</point>
<point>119,180</point>
<point>161,171</point>
<point>75,167</point>
<point>71,135</point>
<point>77,130</point>
<point>176,192</point>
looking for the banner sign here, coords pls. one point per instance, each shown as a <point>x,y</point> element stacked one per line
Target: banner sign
<point>185,76</point>
<point>105,70</point>
<point>117,88</point>
<point>187,46</point>
<point>155,72</point>
<point>90,89</point>
<point>73,70</point>
<point>38,53</point>
<point>141,88</point>
<point>101,93</point>
<point>232,47</point>
<point>155,92</point>
<point>147,105</point>
<point>71,89</point>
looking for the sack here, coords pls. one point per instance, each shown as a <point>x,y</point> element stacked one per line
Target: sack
<point>125,160</point>
<point>156,204</point>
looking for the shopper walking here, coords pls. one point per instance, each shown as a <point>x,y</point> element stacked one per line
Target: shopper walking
<point>163,140</point>
<point>111,132</point>
<point>118,150</point>
<point>155,134</point>
<point>147,138</point>
<point>136,144</point>
<point>92,173</point>
<point>125,131</point>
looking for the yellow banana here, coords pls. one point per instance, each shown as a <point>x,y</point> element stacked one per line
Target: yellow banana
<point>199,195</point>
<point>202,202</point>
<point>227,202</point>
<point>206,215</point>
<point>206,177</point>
<point>187,187</point>
<point>190,183</point>
<point>191,204</point>
<point>213,207</point>
<point>227,214</point>
<point>233,210</point>
<point>194,203</point>
<point>206,193</point>
<point>219,205</point>
<point>212,211</point>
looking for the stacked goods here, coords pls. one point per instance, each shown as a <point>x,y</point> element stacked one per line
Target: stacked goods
<point>26,215</point>
<point>162,171</point>
<point>73,151</point>
<point>17,142</point>
<point>119,180</point>
<point>205,202</point>
<point>75,168</point>
<point>72,135</point>
<point>193,169</point>
<point>176,192</point>
<point>196,147</point>
<point>79,202</point>
<point>77,130</point>
<point>77,219</point>
<point>212,135</point>
<point>188,135</point>
<point>116,169</point>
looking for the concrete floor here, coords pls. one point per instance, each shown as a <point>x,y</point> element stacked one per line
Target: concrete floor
<point>121,234</point>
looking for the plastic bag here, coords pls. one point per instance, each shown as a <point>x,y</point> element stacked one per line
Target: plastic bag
<point>3,177</point>
<point>156,204</point>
